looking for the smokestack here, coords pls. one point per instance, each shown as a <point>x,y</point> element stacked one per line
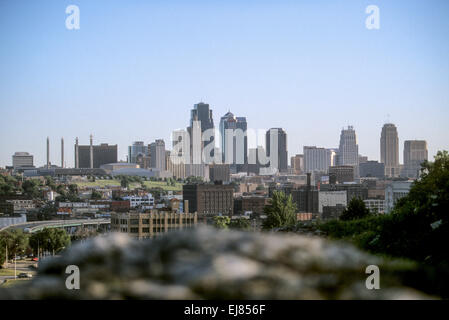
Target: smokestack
<point>77,163</point>
<point>91,152</point>
<point>62,152</point>
<point>48,152</point>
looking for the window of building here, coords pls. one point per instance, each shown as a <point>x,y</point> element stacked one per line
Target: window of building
<point>146,230</point>
<point>134,221</point>
<point>134,230</point>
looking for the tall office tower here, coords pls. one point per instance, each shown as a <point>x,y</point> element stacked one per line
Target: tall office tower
<point>90,156</point>
<point>77,163</point>
<point>48,152</point>
<point>297,163</point>
<point>62,152</point>
<point>157,155</point>
<point>201,113</point>
<point>282,154</point>
<point>348,152</point>
<point>318,159</point>
<point>91,152</point>
<point>137,150</point>
<point>22,159</point>
<point>389,150</point>
<point>234,141</point>
<point>415,153</point>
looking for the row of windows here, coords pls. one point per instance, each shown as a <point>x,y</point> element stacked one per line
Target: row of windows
<point>147,230</point>
<point>155,221</point>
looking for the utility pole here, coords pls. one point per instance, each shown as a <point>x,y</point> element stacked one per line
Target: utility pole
<point>6,261</point>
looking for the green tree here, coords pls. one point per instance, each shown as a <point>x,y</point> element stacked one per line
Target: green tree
<point>356,209</point>
<point>240,223</point>
<point>95,195</point>
<point>221,222</point>
<point>31,188</point>
<point>15,240</point>
<point>280,212</point>
<point>50,239</point>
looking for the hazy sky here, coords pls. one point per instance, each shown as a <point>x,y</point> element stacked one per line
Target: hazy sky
<point>134,69</point>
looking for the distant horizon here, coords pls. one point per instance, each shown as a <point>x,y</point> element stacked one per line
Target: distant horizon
<point>134,70</point>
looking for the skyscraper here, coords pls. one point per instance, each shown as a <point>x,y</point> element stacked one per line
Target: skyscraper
<point>157,155</point>
<point>201,115</point>
<point>348,152</point>
<point>415,153</point>
<point>282,154</point>
<point>318,159</point>
<point>234,142</point>
<point>137,149</point>
<point>389,150</point>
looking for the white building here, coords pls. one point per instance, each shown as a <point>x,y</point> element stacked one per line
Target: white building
<point>145,202</point>
<point>375,205</point>
<point>395,191</point>
<point>348,151</point>
<point>318,159</point>
<point>22,159</point>
<point>331,199</point>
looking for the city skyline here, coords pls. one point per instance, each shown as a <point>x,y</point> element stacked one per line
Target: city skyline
<point>288,65</point>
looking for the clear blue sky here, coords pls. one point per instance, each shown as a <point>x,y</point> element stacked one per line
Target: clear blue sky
<point>135,68</point>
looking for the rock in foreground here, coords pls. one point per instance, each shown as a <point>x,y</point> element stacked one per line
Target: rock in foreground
<point>204,263</point>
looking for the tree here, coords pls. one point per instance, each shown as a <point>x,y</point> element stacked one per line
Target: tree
<point>15,240</point>
<point>221,222</point>
<point>95,195</point>
<point>50,239</point>
<point>356,209</point>
<point>280,212</point>
<point>240,223</point>
<point>31,188</point>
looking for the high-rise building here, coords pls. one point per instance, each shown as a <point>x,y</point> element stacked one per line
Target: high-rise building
<point>341,174</point>
<point>372,169</point>
<point>279,135</point>
<point>157,155</point>
<point>234,141</point>
<point>138,150</point>
<point>318,159</point>
<point>297,163</point>
<point>201,116</point>
<point>209,199</point>
<point>94,156</point>
<point>219,172</point>
<point>389,150</point>
<point>22,159</point>
<point>348,152</point>
<point>415,153</point>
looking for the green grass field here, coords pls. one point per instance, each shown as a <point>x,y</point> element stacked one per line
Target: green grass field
<point>13,282</point>
<point>149,184</point>
<point>7,272</point>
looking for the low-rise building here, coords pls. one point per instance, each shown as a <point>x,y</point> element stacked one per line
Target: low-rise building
<point>331,199</point>
<point>375,205</point>
<point>147,225</point>
<point>395,191</point>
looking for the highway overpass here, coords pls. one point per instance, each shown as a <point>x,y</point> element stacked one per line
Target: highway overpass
<point>69,225</point>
